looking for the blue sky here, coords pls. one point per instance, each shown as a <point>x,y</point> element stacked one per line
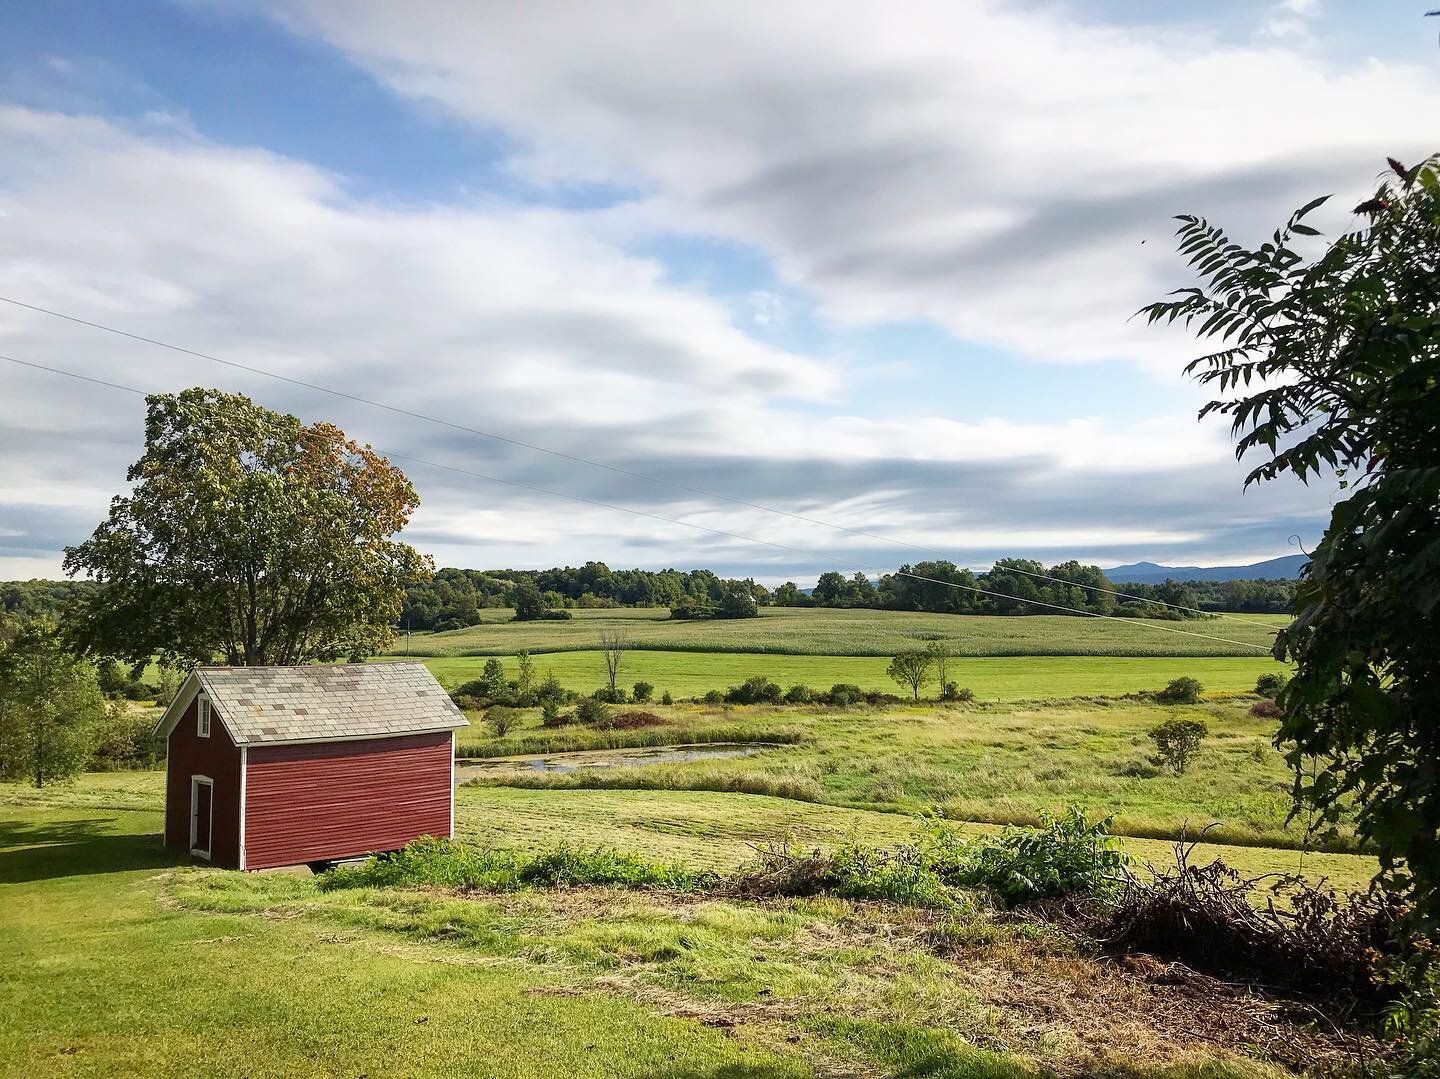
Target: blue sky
<point>875,268</point>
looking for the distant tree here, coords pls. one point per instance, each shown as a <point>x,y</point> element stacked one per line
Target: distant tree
<point>830,590</point>
<point>613,643</point>
<point>789,595</point>
<point>737,601</point>
<point>525,679</point>
<point>52,710</point>
<point>529,604</point>
<point>247,536</point>
<point>492,679</point>
<point>1328,362</point>
<point>940,655</point>
<point>1177,741</point>
<point>913,669</point>
<point>642,692</point>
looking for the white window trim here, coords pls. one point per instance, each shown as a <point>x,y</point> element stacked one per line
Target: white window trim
<point>195,848</point>
<point>204,717</point>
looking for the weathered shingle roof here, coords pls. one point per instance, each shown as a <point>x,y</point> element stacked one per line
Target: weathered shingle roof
<point>350,700</point>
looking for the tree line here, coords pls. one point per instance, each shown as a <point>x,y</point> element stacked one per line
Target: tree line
<point>454,598</point>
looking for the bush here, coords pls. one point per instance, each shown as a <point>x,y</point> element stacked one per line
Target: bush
<point>1270,685</point>
<point>1177,741</point>
<point>899,875</point>
<point>1181,691</point>
<point>594,711</point>
<point>800,694</point>
<point>642,692</point>
<point>429,862</point>
<point>550,689</point>
<point>755,690</point>
<point>604,693</point>
<point>713,696</point>
<point>692,611</point>
<point>502,719</point>
<point>467,703</point>
<point>1069,855</point>
<point>843,694</point>
<point>551,716</point>
<point>1266,709</point>
<point>665,698</point>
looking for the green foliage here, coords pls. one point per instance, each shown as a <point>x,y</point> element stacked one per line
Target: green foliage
<point>439,863</point>
<point>247,536</point>
<point>1068,855</point>
<point>958,694</point>
<point>52,712</point>
<point>529,604</point>
<point>755,690</point>
<point>912,669</point>
<point>594,712</point>
<point>550,715</point>
<point>1177,741</point>
<point>1270,684</point>
<point>1184,690</point>
<point>666,698</point>
<point>1344,348</point>
<point>642,692</point>
<point>501,719</point>
<point>843,694</point>
<point>800,694</point>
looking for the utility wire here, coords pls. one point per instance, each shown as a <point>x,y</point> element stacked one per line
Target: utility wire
<point>689,524</point>
<point>1078,610</point>
<point>575,458</point>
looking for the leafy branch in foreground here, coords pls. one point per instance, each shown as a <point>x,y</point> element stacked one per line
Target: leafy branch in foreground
<point>1333,364</point>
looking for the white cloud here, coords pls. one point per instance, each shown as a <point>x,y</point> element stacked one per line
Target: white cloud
<point>529,322</point>
<point>1008,172</point>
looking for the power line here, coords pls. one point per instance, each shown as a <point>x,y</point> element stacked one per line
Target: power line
<point>1078,610</point>
<point>577,459</point>
<point>688,524</point>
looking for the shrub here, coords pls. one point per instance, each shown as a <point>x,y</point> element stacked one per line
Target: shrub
<point>502,719</point>
<point>754,690</point>
<point>642,692</point>
<point>1068,855</point>
<point>467,703</point>
<point>799,694</point>
<point>429,862</point>
<point>1266,709</point>
<point>692,611</point>
<point>594,711</point>
<point>604,693</point>
<point>1270,685</point>
<point>713,696</point>
<point>898,875</point>
<point>551,716</point>
<point>843,694</point>
<point>1177,741</point>
<point>1181,691</point>
<point>550,689</point>
<point>629,721</point>
<point>665,698</point>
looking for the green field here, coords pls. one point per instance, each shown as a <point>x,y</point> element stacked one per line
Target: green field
<point>834,632</point>
<point>691,674</point>
<point>117,962</point>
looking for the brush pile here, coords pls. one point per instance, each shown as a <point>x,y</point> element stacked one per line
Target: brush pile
<point>1282,932</point>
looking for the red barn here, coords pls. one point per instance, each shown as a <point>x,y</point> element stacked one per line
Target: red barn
<point>269,766</point>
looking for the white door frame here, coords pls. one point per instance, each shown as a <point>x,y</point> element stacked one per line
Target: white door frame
<point>195,848</point>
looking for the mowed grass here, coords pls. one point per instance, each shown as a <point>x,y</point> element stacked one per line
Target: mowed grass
<point>826,632</point>
<point>99,978</point>
<point>691,674</point>
<point>117,961</point>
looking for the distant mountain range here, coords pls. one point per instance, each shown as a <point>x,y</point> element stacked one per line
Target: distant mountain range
<point>1273,569</point>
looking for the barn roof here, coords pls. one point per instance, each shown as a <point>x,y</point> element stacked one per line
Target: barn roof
<point>320,702</point>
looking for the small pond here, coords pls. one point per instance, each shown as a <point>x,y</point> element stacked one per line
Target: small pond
<point>473,768</point>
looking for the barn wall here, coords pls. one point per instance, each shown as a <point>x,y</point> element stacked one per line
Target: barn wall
<point>216,757</point>
<point>308,803</point>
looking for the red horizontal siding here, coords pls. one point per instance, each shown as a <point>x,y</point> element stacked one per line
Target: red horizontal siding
<point>311,803</point>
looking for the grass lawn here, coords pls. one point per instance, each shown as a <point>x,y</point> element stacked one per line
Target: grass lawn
<point>119,962</point>
<point>825,632</point>
<point>1008,678</point>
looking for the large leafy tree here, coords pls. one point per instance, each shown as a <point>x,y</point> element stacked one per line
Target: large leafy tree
<point>51,707</point>
<point>1331,363</point>
<point>249,536</point>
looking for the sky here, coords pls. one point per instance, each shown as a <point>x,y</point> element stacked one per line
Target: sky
<point>871,265</point>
